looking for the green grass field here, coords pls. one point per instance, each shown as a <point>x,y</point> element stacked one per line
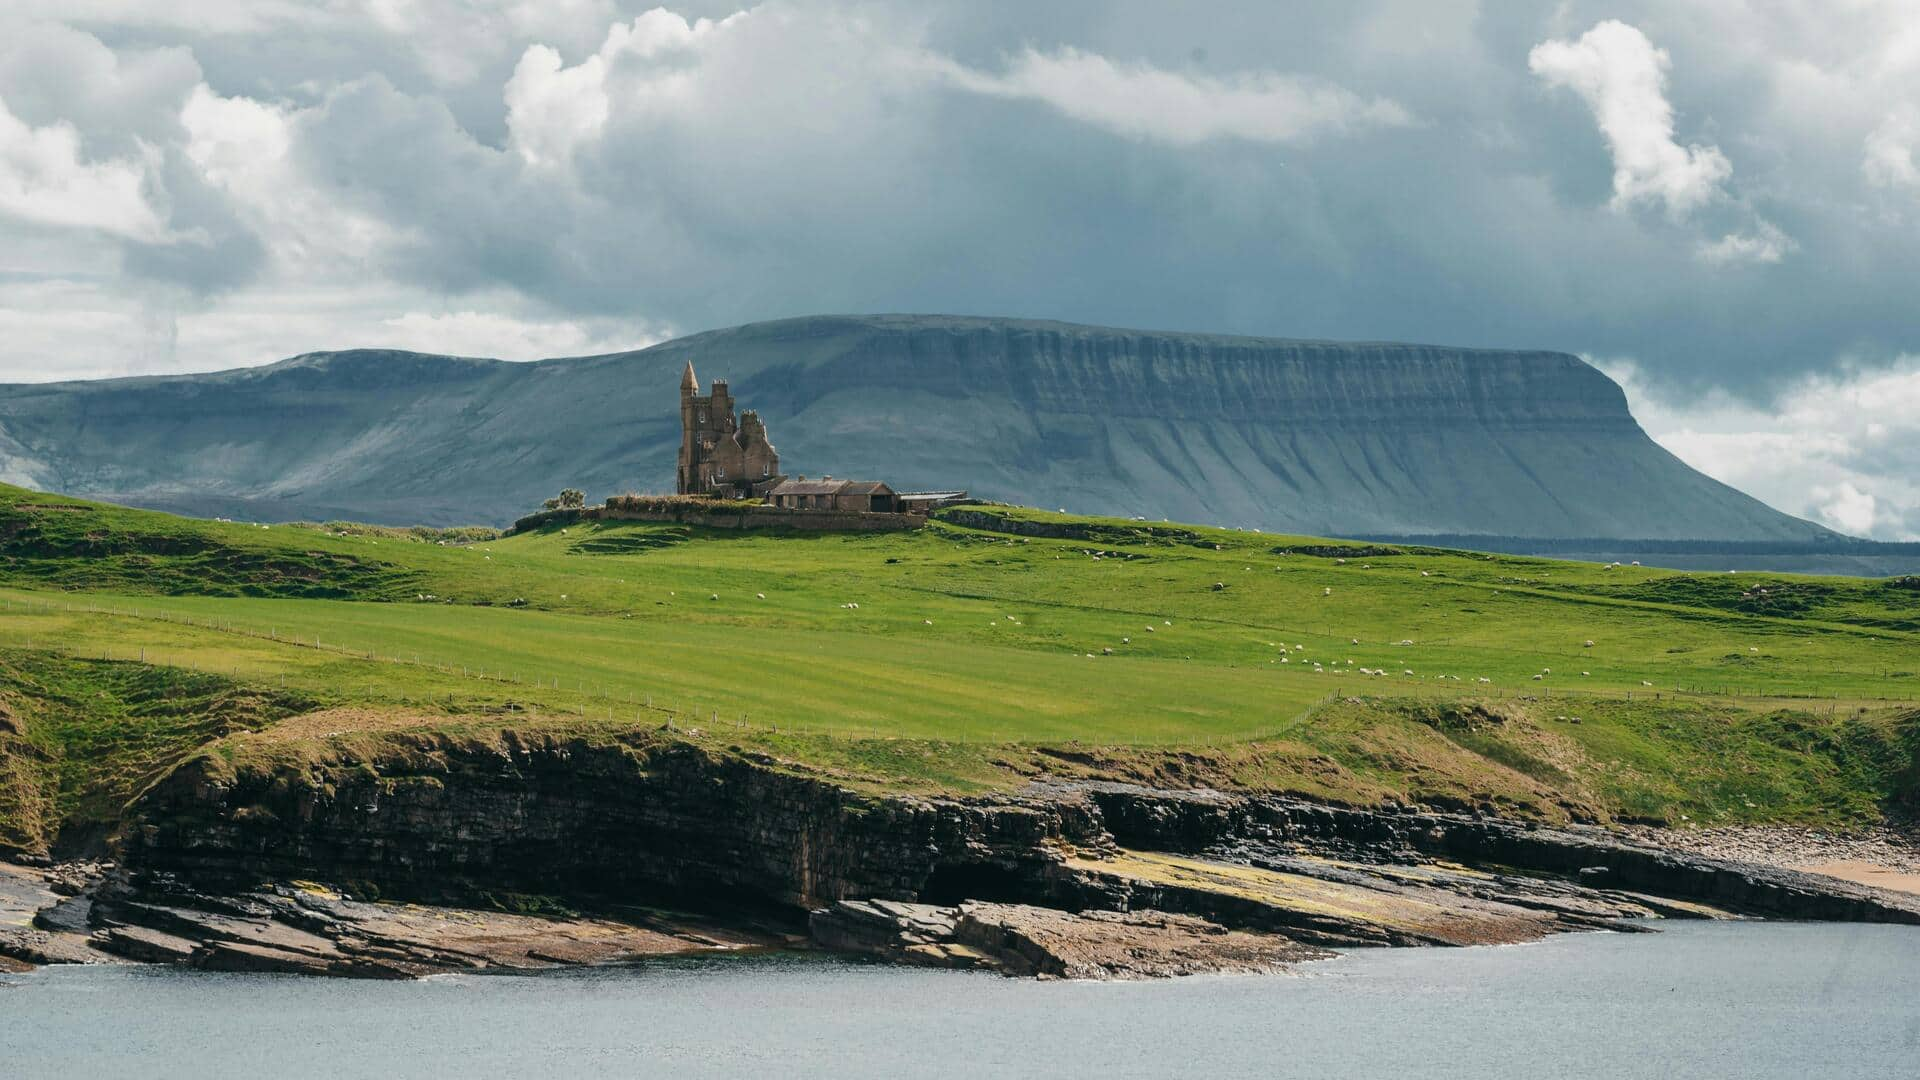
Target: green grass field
<point>976,657</point>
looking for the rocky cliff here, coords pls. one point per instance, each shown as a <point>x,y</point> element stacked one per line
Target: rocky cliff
<point>1306,436</point>
<point>622,847</point>
<point>649,818</point>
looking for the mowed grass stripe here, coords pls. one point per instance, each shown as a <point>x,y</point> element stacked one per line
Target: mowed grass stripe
<point>805,679</point>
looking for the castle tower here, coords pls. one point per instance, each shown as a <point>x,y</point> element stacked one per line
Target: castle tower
<point>695,412</point>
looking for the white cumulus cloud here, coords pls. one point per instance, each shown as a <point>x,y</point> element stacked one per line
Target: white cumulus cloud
<point>1846,507</point>
<point>46,179</point>
<point>1765,244</point>
<point>552,108</point>
<point>1841,448</point>
<point>1889,161</point>
<point>1142,101</point>
<point>490,334</point>
<point>1623,79</point>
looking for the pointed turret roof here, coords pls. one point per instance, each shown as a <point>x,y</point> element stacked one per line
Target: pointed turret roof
<point>689,382</point>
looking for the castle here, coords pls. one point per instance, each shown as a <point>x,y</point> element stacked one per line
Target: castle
<point>719,455</point>
<point>725,458</point>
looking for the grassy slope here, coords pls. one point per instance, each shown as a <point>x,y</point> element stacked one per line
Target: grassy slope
<point>966,661</point>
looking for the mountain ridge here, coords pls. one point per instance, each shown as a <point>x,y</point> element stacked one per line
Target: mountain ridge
<point>1309,436</point>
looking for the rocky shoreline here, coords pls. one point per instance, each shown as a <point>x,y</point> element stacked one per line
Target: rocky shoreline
<point>652,847</point>
<point>1894,849</point>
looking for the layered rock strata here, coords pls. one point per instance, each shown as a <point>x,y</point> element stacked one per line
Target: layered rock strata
<point>1057,880</point>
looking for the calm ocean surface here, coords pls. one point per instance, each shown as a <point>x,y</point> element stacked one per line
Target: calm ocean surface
<point>1698,1000</point>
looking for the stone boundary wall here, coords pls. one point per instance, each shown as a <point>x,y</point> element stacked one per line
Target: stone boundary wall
<point>714,514</point>
<point>754,516</point>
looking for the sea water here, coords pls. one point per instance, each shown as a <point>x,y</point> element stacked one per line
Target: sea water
<point>1696,1000</point>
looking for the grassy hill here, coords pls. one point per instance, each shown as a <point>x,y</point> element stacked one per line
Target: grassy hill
<point>982,652</point>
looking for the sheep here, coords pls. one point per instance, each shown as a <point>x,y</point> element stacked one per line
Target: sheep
<point>1587,643</point>
<point>1536,678</point>
<point>1326,592</point>
<point>926,622</point>
<point>1150,628</point>
<point>715,596</point>
<point>1423,573</point>
<point>1483,680</point>
<point>1644,682</point>
<point>761,595</point>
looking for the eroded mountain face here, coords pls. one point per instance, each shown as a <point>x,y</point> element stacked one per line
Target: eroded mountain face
<point>1315,437</point>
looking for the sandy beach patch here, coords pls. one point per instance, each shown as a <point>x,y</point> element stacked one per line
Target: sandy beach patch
<point>1865,873</point>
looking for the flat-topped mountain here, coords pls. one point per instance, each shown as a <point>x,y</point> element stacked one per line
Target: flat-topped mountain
<point>1317,437</point>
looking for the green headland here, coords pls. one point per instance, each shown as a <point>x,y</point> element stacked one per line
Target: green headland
<point>993,647</point>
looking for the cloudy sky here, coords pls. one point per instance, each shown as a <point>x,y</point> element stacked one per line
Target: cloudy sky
<point>1716,201</point>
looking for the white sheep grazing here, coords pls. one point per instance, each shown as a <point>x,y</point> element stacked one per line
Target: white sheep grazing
<point>1326,592</point>
<point>1644,682</point>
<point>1588,643</point>
<point>1423,573</point>
<point>1483,680</point>
<point>1546,671</point>
<point>1150,630</point>
<point>928,622</point>
<point>761,595</point>
<point>1536,678</point>
<point>1353,641</point>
